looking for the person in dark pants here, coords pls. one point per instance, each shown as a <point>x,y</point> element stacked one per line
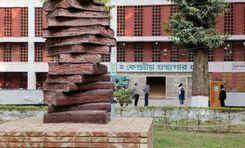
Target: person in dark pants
<point>147,92</point>
<point>181,94</point>
<point>222,96</point>
<point>136,94</point>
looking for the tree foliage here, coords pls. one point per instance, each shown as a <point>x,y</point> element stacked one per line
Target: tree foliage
<point>193,25</point>
<point>123,96</point>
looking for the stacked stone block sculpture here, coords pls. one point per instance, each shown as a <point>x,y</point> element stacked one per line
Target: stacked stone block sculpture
<point>77,88</point>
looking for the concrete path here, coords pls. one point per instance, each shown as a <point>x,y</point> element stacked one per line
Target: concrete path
<point>163,102</point>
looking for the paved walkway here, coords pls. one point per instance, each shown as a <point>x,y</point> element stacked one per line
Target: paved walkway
<point>163,102</point>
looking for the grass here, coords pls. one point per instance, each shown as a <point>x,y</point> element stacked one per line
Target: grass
<point>184,139</point>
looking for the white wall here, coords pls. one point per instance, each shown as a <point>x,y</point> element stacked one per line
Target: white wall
<point>21,97</point>
<point>235,99</point>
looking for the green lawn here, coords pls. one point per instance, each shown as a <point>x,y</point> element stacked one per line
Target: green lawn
<point>182,139</point>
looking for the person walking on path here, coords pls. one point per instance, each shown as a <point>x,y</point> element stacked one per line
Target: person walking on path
<point>181,94</point>
<point>222,95</point>
<point>147,92</point>
<point>136,94</point>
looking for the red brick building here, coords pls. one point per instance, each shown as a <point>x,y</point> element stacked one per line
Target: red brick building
<point>140,31</point>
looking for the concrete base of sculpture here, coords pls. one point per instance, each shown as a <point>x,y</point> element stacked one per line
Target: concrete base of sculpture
<point>118,133</point>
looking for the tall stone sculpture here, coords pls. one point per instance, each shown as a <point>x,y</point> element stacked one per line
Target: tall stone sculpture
<point>77,88</point>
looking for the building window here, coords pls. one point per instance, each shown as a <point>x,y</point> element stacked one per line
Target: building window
<point>121,52</point>
<point>191,55</point>
<point>229,20</point>
<point>39,48</point>
<point>106,57</point>
<point>156,53</point>
<point>174,54</point>
<point>173,9</point>
<point>228,52</point>
<point>227,80</point>
<point>38,21</point>
<point>121,21</point>
<point>138,25</point>
<point>138,52</point>
<point>241,81</point>
<point>7,22</point>
<point>156,20</point>
<point>24,53</point>
<point>211,55</point>
<point>7,53</point>
<point>24,22</point>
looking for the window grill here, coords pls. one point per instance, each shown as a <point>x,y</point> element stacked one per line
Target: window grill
<point>138,25</point>
<point>38,21</point>
<point>211,55</point>
<point>174,54</point>
<point>191,55</point>
<point>106,57</point>
<point>24,52</point>
<point>227,79</point>
<point>7,53</point>
<point>39,48</point>
<point>156,20</point>
<point>121,21</point>
<point>229,20</point>
<point>173,9</point>
<point>228,53</point>
<point>24,22</point>
<point>156,53</point>
<point>121,52</point>
<point>7,22</point>
<point>241,80</point>
<point>138,52</point>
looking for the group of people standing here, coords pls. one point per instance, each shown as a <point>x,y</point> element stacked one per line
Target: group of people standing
<point>222,95</point>
<point>136,93</point>
<point>181,94</point>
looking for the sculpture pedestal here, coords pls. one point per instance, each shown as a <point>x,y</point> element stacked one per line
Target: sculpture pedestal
<point>118,133</point>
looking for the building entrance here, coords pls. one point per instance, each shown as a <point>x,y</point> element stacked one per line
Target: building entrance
<point>157,87</point>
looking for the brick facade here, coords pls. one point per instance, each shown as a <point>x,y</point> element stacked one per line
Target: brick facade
<point>121,132</point>
<point>145,21</point>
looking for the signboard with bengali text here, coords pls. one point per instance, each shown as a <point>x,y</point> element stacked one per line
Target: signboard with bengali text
<point>154,67</point>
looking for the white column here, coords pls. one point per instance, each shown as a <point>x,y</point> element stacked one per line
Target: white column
<point>113,25</point>
<point>31,33</point>
<point>31,80</point>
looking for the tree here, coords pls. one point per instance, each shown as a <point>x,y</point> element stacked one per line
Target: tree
<point>192,27</point>
<point>124,98</point>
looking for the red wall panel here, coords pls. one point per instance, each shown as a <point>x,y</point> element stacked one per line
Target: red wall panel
<point>129,52</point>
<point>184,55</point>
<point>1,52</point>
<point>1,22</point>
<point>147,24</point>
<point>165,17</point>
<point>238,18</point>
<point>166,46</point>
<point>16,16</point>
<point>219,54</point>
<point>238,51</point>
<point>220,24</point>
<point>129,24</point>
<point>15,52</point>
<point>147,52</point>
